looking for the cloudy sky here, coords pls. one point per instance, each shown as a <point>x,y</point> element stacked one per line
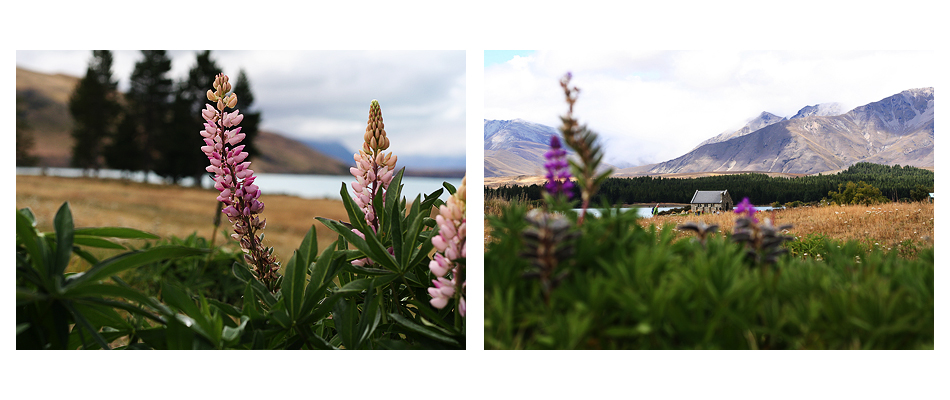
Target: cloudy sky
<point>654,106</point>
<point>326,94</point>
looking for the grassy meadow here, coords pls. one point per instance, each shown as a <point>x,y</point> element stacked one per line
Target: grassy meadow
<point>884,225</point>
<point>169,210</point>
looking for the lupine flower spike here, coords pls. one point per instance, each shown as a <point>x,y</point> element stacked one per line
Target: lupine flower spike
<point>450,253</point>
<point>558,176</point>
<point>235,180</point>
<point>549,240</point>
<point>584,142</point>
<point>763,242</point>
<point>373,171</point>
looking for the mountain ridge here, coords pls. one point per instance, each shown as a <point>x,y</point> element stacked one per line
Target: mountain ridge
<point>47,114</point>
<point>818,138</point>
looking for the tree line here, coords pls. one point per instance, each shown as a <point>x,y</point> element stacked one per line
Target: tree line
<point>894,182</point>
<point>154,126</point>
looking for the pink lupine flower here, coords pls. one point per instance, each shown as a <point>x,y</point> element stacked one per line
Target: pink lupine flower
<point>449,244</point>
<point>235,180</point>
<point>373,170</point>
<point>442,291</point>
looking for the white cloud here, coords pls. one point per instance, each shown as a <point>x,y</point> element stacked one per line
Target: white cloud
<point>657,105</point>
<point>325,94</point>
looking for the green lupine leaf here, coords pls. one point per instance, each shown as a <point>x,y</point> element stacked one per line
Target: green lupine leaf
<point>370,318</point>
<point>85,324</point>
<point>356,286</point>
<point>398,241</point>
<point>449,187</point>
<point>412,327</point>
<point>91,241</point>
<point>295,273</point>
<point>344,317</point>
<point>122,262</point>
<point>99,316</point>
<point>63,223</point>
<point>357,217</point>
<point>115,232</point>
<point>35,246</point>
<point>371,246</point>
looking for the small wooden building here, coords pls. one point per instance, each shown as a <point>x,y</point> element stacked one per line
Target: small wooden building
<point>710,201</point>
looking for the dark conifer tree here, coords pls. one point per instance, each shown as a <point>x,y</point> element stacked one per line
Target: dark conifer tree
<point>180,147</point>
<point>147,114</point>
<point>24,136</point>
<point>252,119</point>
<point>95,107</point>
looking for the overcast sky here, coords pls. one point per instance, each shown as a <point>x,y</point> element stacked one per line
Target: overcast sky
<point>326,94</point>
<point>655,106</point>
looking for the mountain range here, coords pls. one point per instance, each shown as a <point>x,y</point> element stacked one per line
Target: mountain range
<point>819,138</point>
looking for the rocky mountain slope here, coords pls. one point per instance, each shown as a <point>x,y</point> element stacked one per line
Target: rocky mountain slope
<point>766,118</point>
<point>516,147</point>
<point>819,138</point>
<point>45,98</point>
<point>895,130</point>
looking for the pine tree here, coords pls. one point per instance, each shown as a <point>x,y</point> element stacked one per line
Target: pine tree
<point>146,116</point>
<point>24,136</point>
<point>94,107</point>
<point>180,147</point>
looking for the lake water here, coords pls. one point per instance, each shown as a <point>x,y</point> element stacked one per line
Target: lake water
<point>306,186</point>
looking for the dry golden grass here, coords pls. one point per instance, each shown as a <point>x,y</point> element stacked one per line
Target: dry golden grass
<point>168,210</point>
<point>886,224</point>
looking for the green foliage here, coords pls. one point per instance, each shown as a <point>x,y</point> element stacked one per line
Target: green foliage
<point>208,275</point>
<point>629,287</point>
<point>895,182</point>
<point>921,193</point>
<point>208,298</point>
<point>813,245</point>
<point>857,193</point>
<point>59,310</point>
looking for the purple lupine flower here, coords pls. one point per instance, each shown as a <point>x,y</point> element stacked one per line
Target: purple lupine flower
<point>450,246</point>
<point>235,180</point>
<point>558,175</point>
<point>745,207</point>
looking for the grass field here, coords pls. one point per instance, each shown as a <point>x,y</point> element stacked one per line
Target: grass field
<point>884,225</point>
<point>168,210</point>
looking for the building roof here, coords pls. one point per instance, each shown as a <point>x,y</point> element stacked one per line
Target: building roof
<point>708,196</point>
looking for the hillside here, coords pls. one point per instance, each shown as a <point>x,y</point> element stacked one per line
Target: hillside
<point>896,130</point>
<point>44,99</point>
<point>818,138</point>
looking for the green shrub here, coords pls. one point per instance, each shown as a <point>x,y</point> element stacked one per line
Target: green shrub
<point>208,275</point>
<point>628,287</point>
